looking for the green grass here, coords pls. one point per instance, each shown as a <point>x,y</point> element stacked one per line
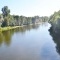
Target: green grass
<point>8,28</point>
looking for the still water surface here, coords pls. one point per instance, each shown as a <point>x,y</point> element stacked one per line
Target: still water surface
<point>29,43</point>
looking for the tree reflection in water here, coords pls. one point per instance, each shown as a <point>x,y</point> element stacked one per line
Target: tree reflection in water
<point>55,33</point>
<point>6,37</point>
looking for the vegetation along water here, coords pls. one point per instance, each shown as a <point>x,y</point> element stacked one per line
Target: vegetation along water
<point>29,38</point>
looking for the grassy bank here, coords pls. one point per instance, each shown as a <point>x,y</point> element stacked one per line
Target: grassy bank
<point>8,28</point>
<point>14,27</point>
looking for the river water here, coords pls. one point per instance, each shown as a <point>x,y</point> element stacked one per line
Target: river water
<point>35,42</point>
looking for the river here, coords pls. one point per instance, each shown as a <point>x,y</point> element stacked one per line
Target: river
<point>35,42</point>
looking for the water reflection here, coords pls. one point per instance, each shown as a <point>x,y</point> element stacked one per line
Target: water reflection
<point>1,39</point>
<point>56,38</point>
<point>6,37</point>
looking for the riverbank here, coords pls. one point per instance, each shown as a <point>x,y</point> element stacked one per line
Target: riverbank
<point>8,28</point>
<point>14,27</point>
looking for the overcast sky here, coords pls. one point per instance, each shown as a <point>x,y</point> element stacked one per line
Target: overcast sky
<point>31,7</point>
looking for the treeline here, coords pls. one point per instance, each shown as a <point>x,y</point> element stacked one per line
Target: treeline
<point>6,19</point>
<point>55,18</point>
<point>55,29</point>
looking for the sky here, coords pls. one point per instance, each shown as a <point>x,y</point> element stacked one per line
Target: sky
<point>31,7</point>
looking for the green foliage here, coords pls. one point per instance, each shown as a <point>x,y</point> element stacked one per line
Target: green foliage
<point>6,16</point>
<point>15,20</point>
<point>5,11</point>
<point>53,18</point>
<point>5,22</point>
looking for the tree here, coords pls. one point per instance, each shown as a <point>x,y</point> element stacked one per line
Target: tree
<point>5,22</point>
<point>21,20</point>
<point>16,17</point>
<point>5,11</point>
<point>6,15</point>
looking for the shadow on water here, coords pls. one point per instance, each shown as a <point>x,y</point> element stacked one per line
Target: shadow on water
<point>6,37</point>
<point>56,38</point>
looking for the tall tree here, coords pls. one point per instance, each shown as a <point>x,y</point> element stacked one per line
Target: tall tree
<point>6,15</point>
<point>5,11</point>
